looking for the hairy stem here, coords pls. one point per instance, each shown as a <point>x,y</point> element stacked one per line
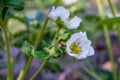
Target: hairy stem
<point>9,59</point>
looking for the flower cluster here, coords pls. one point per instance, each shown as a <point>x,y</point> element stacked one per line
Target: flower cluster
<point>78,45</point>
<point>63,14</point>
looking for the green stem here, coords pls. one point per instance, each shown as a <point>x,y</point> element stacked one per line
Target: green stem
<point>110,52</point>
<point>46,61</point>
<point>26,68</point>
<point>9,59</point>
<point>56,35</point>
<point>105,29</point>
<point>100,9</point>
<point>40,69</point>
<point>89,65</point>
<point>96,77</point>
<point>40,36</point>
<point>112,8</point>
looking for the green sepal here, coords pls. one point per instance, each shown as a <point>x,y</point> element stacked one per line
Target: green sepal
<point>41,55</point>
<point>27,49</point>
<point>55,52</point>
<point>60,23</point>
<point>63,48</point>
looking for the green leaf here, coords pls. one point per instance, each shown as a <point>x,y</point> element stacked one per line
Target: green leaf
<point>109,21</point>
<point>63,37</point>
<point>41,55</point>
<point>27,49</point>
<point>15,4</point>
<point>91,18</point>
<point>45,43</point>
<point>4,13</point>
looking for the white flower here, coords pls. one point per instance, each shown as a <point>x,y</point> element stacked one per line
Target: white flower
<point>79,46</point>
<point>74,23</point>
<point>69,2</point>
<point>63,14</point>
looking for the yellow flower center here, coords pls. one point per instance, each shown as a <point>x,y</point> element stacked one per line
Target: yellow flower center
<point>75,49</point>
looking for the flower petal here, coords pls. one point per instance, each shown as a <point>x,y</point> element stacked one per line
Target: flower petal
<point>59,12</point>
<point>74,23</point>
<point>91,52</point>
<point>52,14</point>
<point>62,12</point>
<point>85,45</point>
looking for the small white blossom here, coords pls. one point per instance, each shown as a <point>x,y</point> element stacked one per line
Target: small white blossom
<point>79,46</point>
<point>69,2</point>
<point>59,12</point>
<point>63,13</point>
